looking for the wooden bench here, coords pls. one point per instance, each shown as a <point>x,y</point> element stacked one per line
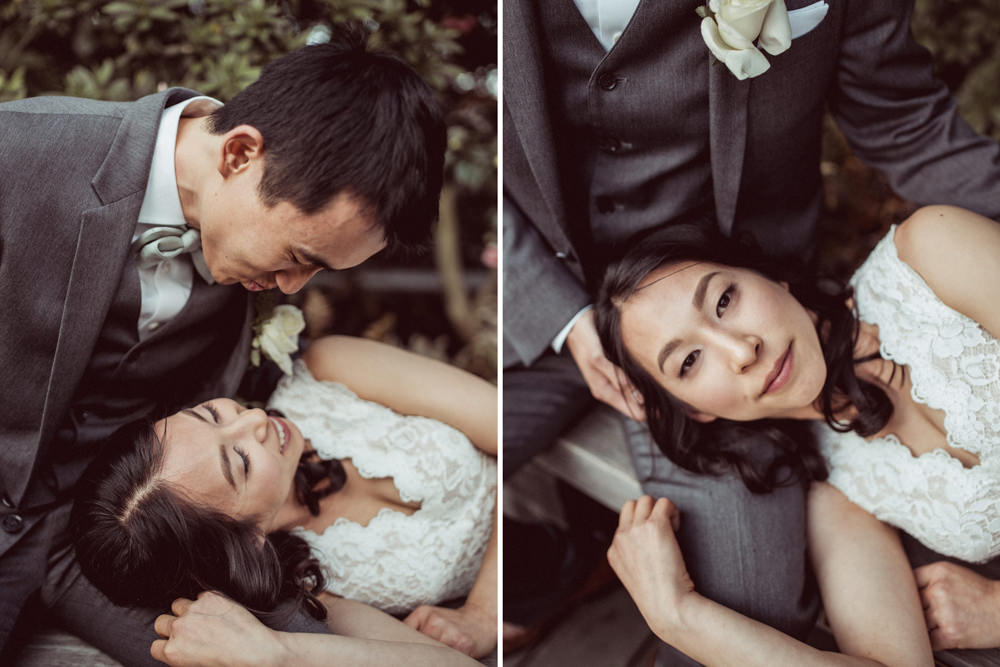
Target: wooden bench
<point>593,457</point>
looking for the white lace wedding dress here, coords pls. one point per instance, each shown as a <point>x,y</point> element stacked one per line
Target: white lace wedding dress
<point>397,561</point>
<point>954,366</point>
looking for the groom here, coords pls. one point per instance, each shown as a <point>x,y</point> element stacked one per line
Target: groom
<point>114,308</point>
<point>618,119</point>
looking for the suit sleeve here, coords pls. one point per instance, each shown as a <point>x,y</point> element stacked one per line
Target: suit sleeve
<point>539,294</point>
<point>901,120</point>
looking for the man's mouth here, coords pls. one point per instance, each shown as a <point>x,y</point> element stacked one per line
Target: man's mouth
<point>781,372</point>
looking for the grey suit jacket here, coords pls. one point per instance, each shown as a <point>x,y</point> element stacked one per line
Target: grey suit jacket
<point>765,135</point>
<point>73,175</point>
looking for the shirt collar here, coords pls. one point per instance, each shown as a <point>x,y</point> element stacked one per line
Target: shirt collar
<point>161,205</point>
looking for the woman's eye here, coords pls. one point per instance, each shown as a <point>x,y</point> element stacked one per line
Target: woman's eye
<point>212,411</point>
<point>724,301</point>
<point>689,362</point>
<point>246,460</point>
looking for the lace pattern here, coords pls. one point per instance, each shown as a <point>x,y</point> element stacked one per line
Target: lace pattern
<point>954,366</point>
<point>397,561</point>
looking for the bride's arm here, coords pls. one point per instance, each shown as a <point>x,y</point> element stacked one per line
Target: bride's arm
<point>957,253</point>
<point>646,557</point>
<point>214,630</point>
<point>415,385</point>
<point>409,384</point>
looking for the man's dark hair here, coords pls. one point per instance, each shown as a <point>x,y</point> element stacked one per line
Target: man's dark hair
<point>337,118</point>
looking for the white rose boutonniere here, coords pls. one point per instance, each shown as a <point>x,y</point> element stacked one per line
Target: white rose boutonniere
<point>730,27</point>
<point>277,336</point>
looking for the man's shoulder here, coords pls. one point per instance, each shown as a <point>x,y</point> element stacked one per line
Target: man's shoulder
<point>62,105</point>
<point>81,106</point>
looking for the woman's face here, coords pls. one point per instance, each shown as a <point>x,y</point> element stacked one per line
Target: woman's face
<point>239,461</point>
<point>726,341</point>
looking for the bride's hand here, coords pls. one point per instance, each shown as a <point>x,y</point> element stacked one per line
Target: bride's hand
<point>470,629</point>
<point>646,557</point>
<point>962,608</point>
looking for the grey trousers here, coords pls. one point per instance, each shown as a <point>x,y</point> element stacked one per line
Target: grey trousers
<point>743,550</point>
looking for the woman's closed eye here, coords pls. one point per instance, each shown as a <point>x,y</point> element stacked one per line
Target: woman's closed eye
<point>246,460</point>
<point>212,411</point>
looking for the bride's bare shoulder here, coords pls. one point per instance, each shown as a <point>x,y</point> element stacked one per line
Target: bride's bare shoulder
<point>957,253</point>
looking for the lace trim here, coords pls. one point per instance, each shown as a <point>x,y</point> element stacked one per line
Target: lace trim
<point>954,363</point>
<point>398,560</point>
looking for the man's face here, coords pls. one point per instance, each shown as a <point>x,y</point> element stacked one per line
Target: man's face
<point>244,241</point>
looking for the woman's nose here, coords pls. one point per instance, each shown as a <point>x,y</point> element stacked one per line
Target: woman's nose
<point>743,350</point>
<point>252,422</point>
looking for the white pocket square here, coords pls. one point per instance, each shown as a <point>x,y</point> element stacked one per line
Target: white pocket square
<point>804,19</point>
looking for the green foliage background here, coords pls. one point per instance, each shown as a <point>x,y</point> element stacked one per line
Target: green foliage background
<point>124,49</point>
<point>963,36</point>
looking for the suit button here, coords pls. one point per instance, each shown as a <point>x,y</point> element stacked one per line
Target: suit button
<point>607,81</point>
<point>13,523</point>
<point>609,144</point>
<point>7,502</point>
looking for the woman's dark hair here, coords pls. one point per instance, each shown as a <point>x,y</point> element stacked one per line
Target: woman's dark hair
<point>338,118</point>
<point>142,541</point>
<point>722,444</point>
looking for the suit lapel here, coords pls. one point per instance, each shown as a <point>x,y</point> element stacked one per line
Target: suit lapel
<point>528,106</point>
<point>727,109</point>
<point>102,248</point>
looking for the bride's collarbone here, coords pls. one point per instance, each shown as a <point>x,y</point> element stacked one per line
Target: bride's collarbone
<point>360,500</point>
<point>919,427</point>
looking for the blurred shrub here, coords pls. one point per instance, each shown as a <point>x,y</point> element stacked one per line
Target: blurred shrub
<point>962,37</point>
<point>124,49</point>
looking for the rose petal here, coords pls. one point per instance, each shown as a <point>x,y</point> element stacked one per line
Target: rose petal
<point>776,33</point>
<point>743,63</point>
<point>745,20</point>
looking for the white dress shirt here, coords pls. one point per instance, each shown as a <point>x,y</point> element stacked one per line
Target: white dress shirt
<point>607,18</point>
<point>166,286</point>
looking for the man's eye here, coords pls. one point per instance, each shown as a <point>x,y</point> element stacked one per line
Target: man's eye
<point>724,301</point>
<point>689,361</point>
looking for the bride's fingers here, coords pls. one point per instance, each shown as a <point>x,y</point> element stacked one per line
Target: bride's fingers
<point>627,515</point>
<point>158,650</point>
<point>666,510</point>
<point>417,617</point>
<point>163,623</point>
<point>643,508</point>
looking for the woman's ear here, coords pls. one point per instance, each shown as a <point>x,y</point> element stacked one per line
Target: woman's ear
<point>702,417</point>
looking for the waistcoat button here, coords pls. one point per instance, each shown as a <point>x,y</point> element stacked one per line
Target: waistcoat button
<point>13,523</point>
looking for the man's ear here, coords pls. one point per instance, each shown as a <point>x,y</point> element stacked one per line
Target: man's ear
<point>240,147</point>
<point>702,417</point>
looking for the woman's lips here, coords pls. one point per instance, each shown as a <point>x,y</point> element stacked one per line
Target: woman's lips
<point>284,433</point>
<point>253,286</point>
<point>782,371</point>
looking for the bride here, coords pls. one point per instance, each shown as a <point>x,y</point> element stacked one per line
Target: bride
<point>893,384</point>
<point>334,492</point>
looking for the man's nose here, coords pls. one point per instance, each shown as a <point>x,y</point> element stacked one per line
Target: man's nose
<point>291,281</point>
